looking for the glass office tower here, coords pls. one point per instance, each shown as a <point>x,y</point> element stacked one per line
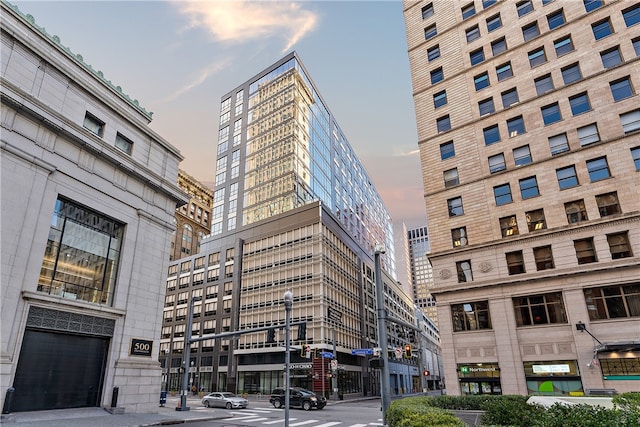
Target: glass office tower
<point>279,148</point>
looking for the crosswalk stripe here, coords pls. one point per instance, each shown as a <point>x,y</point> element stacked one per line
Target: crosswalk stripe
<point>247,418</point>
<point>358,425</point>
<point>275,422</point>
<point>301,423</point>
<point>334,423</point>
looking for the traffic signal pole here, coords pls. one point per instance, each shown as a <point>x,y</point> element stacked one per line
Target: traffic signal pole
<point>385,392</point>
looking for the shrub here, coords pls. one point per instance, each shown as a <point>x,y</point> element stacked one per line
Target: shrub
<point>417,412</point>
<point>584,415</point>
<point>511,411</point>
<point>629,401</point>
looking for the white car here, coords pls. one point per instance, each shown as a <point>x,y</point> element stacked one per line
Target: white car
<point>224,399</point>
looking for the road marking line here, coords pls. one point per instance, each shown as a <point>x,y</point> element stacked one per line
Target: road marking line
<point>358,425</point>
<point>301,423</point>
<point>329,424</point>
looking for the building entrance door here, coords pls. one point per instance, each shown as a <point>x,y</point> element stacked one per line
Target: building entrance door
<point>57,371</point>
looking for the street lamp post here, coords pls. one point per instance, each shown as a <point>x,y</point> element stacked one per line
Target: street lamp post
<point>288,302</point>
<point>186,355</point>
<point>385,393</point>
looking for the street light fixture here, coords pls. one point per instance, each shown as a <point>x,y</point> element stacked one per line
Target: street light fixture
<point>385,393</point>
<point>288,302</point>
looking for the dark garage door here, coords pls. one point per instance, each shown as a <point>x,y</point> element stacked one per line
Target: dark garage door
<point>57,371</point>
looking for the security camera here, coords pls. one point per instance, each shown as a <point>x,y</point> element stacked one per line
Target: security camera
<point>380,249</point>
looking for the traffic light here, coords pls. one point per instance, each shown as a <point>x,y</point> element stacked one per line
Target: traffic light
<point>426,373</point>
<point>305,351</point>
<point>302,332</point>
<point>271,336</point>
<point>407,351</point>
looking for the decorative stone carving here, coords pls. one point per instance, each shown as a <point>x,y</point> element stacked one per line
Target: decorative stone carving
<point>445,273</point>
<point>485,267</point>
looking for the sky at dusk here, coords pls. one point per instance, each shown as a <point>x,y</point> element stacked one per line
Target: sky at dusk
<point>178,58</point>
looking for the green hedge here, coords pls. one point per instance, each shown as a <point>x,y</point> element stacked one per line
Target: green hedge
<point>417,412</point>
<point>512,410</point>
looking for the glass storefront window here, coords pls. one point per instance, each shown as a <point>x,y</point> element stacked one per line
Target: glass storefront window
<point>82,254</point>
<point>553,378</point>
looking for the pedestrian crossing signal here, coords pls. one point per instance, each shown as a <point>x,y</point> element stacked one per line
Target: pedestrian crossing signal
<point>271,336</point>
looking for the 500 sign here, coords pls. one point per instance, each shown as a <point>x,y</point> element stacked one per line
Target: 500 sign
<point>140,347</point>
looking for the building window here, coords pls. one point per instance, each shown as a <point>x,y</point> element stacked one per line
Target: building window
<point>93,124</point>
<point>440,99</point>
<point>491,134</point>
<point>601,29</point>
<point>621,89</point>
<point>537,57</point>
<point>496,163</point>
<point>430,32</point>
<point>631,15</point>
<point>488,3</point>
<point>437,75</point>
<point>530,31</point>
<point>427,11</point>
<point>502,194</point>
<point>443,123</point>
<point>558,144</point>
<point>539,309</point>
<point>486,106</point>
<point>571,73</point>
<point>481,81</point>
<point>524,7</point>
<point>636,45</point>
<point>463,268</point>
<point>536,220</point>
<point>451,178</point>
<point>608,204</point>
<point>459,237</point>
<point>509,226</point>
<point>630,121</point>
<point>544,84</point>
<point>515,262</point>
<point>555,19</point>
<point>579,103</point>
<point>468,11</point>
<point>522,156</point>
<point>619,245</point>
<point>611,57</point>
<point>588,134</point>
<point>515,126</point>
<point>472,316</point>
<point>563,46</point>
<point>447,150</point>
<point>635,155</point>
<point>82,255</point>
<point>551,113</point>
<point>433,53</point>
<point>509,97</point>
<point>494,22</point>
<point>585,250</point>
<point>472,33</point>
<point>529,187</point>
<point>455,206</point>
<point>575,211</point>
<point>613,302</point>
<point>598,169</point>
<point>543,257</point>
<point>124,144</point>
<point>590,5</point>
<point>477,56</point>
<point>567,177</point>
<point>498,46</point>
<point>504,71</point>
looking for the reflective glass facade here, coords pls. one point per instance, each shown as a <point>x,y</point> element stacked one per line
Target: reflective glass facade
<point>292,152</point>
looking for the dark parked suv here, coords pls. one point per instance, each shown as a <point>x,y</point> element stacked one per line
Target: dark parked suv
<point>298,398</point>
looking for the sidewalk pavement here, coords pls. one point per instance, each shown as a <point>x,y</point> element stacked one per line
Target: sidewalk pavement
<point>99,417</point>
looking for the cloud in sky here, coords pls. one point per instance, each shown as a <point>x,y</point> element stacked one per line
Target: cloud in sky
<point>199,79</point>
<point>243,21</point>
